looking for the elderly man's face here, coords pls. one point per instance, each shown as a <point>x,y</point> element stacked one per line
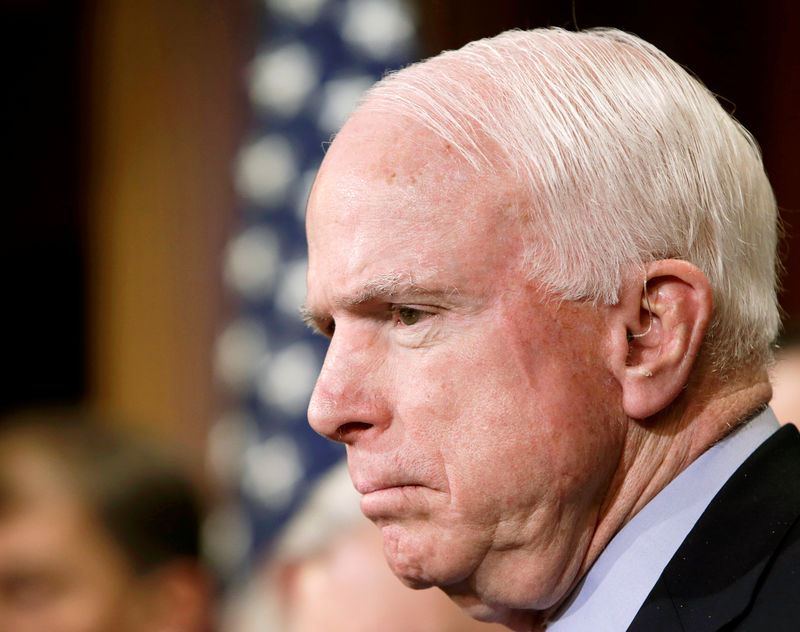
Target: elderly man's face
<point>482,425</point>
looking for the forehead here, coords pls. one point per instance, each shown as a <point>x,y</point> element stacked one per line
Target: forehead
<point>390,193</point>
<point>392,169</point>
<point>394,146</point>
<point>40,508</point>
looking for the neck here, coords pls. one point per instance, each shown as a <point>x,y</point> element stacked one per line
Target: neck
<point>658,449</point>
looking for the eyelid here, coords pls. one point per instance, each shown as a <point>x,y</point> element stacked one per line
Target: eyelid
<point>326,326</point>
<point>425,311</point>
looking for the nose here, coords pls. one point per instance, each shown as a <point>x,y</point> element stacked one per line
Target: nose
<point>349,399</point>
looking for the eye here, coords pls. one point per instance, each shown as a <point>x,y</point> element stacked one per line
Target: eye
<point>409,316</point>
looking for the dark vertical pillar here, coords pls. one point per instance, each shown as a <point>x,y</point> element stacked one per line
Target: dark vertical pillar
<point>41,260</point>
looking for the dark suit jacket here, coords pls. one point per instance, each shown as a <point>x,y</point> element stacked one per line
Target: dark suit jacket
<point>739,567</point>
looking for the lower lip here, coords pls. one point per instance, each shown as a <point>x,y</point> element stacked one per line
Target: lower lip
<point>388,501</point>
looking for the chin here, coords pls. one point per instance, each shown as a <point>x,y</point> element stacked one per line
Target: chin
<point>407,571</point>
<point>420,560</point>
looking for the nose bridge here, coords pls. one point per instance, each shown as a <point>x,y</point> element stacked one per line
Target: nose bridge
<point>346,392</point>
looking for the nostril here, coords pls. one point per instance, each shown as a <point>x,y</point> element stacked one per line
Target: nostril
<point>346,432</point>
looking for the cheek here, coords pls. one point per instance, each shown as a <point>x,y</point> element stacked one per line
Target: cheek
<point>519,406</point>
<point>462,417</point>
<point>568,411</point>
<point>508,413</point>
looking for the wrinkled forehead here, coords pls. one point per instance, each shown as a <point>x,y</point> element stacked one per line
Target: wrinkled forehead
<point>393,201</point>
<point>390,163</point>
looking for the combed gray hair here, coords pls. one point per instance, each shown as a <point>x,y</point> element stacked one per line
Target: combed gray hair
<point>621,158</point>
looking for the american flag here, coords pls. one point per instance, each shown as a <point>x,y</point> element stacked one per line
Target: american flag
<point>314,60</point>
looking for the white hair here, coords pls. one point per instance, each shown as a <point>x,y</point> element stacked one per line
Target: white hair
<point>621,158</point>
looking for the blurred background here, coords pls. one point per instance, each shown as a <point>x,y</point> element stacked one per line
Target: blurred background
<point>158,155</point>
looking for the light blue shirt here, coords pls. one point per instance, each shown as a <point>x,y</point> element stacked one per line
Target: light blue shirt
<point>623,575</point>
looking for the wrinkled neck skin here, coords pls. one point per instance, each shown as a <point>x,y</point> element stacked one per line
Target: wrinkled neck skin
<point>657,450</point>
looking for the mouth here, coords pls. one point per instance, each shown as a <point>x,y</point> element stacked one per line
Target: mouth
<point>389,501</point>
<point>367,482</point>
<point>365,488</point>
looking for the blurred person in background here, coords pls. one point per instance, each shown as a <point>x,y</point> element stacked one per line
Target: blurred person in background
<point>327,573</point>
<point>98,533</point>
<point>786,382</point>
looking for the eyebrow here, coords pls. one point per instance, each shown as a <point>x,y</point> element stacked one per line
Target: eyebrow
<point>386,286</point>
<point>383,287</point>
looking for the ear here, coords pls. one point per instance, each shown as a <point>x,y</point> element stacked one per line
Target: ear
<point>660,322</point>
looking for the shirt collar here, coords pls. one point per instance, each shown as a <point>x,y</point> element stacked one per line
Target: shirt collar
<point>619,581</point>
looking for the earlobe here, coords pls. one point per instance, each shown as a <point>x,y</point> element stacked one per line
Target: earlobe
<point>665,317</point>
